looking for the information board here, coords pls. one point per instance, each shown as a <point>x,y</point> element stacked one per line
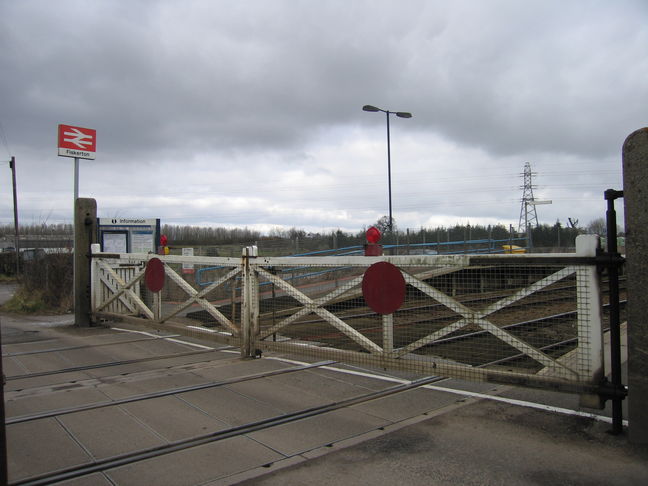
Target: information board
<point>128,235</point>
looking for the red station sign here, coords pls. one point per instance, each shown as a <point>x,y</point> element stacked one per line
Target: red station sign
<point>77,142</point>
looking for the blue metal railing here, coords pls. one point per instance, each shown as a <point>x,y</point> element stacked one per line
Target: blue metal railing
<point>359,249</point>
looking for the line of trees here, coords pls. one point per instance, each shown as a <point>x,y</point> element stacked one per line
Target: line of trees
<point>556,235</point>
<point>42,229</point>
<point>199,235</point>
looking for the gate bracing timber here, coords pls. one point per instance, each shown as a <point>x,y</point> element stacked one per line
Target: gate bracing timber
<point>531,320</point>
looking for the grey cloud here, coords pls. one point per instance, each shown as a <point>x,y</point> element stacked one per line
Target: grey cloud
<point>257,82</point>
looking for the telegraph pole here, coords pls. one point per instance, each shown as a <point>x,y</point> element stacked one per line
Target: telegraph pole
<point>12,165</point>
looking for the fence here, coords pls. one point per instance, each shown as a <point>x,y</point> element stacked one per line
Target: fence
<point>528,320</point>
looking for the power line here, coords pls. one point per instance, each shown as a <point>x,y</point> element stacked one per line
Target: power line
<point>3,137</point>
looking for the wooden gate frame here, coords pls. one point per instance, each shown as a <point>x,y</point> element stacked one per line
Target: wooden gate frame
<point>558,374</point>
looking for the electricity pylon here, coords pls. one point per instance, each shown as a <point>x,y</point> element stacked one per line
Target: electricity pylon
<point>528,214</point>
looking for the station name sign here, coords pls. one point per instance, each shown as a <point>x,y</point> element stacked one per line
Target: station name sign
<point>77,142</point>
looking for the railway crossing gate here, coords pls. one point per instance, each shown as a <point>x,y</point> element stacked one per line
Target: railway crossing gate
<point>516,319</point>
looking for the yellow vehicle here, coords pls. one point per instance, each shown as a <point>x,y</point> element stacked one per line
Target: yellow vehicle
<point>513,249</point>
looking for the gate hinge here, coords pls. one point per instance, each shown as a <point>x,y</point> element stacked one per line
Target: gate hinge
<point>608,391</point>
<point>607,259</point>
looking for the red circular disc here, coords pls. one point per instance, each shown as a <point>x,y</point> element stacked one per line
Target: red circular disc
<point>383,288</point>
<point>154,275</point>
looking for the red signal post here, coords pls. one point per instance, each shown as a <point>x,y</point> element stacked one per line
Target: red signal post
<point>372,248</point>
<point>163,249</point>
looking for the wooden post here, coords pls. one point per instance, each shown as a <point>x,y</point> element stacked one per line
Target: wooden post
<point>246,311</point>
<point>85,234</point>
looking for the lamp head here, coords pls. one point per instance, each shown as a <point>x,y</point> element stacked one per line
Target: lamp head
<point>403,114</point>
<point>370,108</point>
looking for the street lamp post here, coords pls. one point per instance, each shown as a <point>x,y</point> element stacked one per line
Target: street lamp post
<point>400,114</point>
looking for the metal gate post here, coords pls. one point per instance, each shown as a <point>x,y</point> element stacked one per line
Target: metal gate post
<point>615,325</point>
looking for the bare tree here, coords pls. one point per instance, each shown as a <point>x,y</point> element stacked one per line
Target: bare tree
<point>383,225</point>
<point>597,227</point>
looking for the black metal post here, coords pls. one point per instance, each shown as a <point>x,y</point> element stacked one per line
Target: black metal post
<point>389,173</point>
<point>615,329</point>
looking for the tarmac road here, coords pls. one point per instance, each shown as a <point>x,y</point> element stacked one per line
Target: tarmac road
<point>483,443</point>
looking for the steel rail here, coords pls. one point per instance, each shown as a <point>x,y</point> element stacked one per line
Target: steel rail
<point>164,393</point>
<point>460,336</point>
<point>548,347</point>
<point>432,306</point>
<point>132,457</point>
<point>113,363</point>
<point>539,320</point>
<point>85,346</point>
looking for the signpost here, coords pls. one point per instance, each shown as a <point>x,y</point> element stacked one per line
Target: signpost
<point>188,268</point>
<point>77,142</point>
<point>80,143</point>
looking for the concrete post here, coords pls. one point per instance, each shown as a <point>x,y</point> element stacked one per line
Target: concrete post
<point>85,234</point>
<point>635,190</point>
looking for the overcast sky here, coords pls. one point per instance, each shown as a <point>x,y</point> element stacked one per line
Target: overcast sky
<point>249,113</point>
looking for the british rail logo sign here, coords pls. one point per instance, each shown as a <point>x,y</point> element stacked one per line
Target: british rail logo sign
<point>77,142</point>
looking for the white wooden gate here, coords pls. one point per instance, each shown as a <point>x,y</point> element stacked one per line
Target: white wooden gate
<point>459,309</point>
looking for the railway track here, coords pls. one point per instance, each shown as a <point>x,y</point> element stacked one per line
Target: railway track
<point>547,319</point>
<point>248,428</point>
<point>177,446</point>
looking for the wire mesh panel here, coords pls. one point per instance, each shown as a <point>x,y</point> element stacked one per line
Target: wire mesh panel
<point>512,322</point>
<point>505,318</point>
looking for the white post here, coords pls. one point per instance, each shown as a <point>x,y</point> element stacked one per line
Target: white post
<point>95,281</point>
<point>76,178</point>
<point>157,306</point>
<point>388,334</point>
<point>590,328</point>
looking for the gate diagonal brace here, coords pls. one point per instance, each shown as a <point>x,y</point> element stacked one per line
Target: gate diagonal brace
<point>197,297</point>
<point>308,308</point>
<point>312,306</point>
<point>125,288</point>
<point>113,287</point>
<point>472,317</point>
